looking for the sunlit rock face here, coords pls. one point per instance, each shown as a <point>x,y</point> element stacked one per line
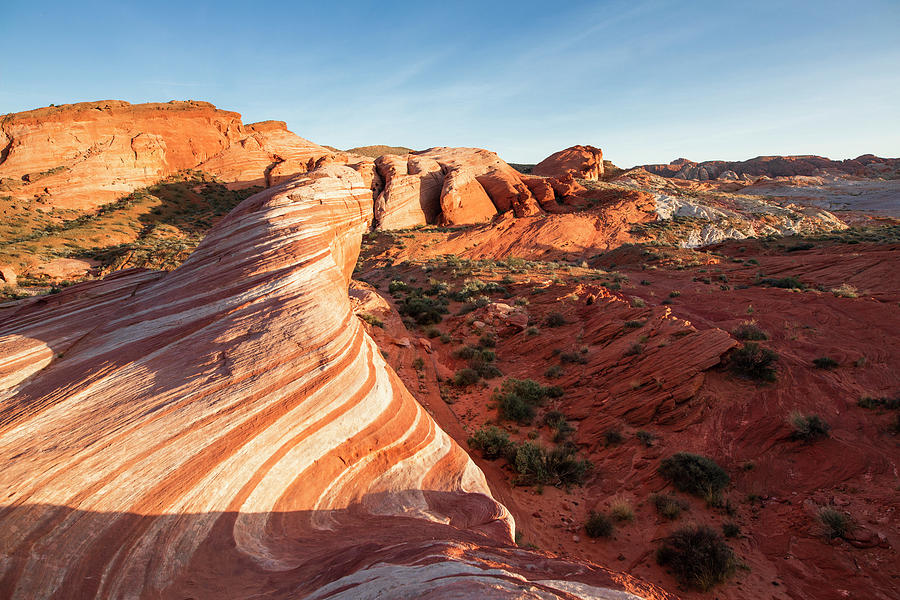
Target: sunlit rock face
<point>582,162</point>
<point>80,156</point>
<point>228,430</point>
<point>450,186</point>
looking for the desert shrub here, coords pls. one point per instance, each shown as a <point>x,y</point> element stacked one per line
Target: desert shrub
<point>554,418</point>
<point>485,368</point>
<point>445,338</point>
<point>800,246</point>
<point>557,420</point>
<point>634,349</point>
<point>572,357</point>
<point>518,399</point>
<point>465,352</point>
<point>372,320</point>
<point>731,529</point>
<point>433,332</point>
<point>748,330</point>
<point>493,443</point>
<point>559,466</point>
<point>877,403</point>
<point>845,290</point>
<point>425,311</point>
<point>647,438</point>
<point>598,525</point>
<point>695,474</point>
<point>555,320</point>
<point>398,286</point>
<point>563,431</point>
<point>522,301</point>
<point>809,428</point>
<point>789,283</point>
<point>698,557</point>
<point>532,331</point>
<point>418,364</point>
<point>471,287</point>
<point>487,341</point>
<point>466,377</point>
<point>754,362</point>
<point>825,362</point>
<point>620,510</point>
<point>674,294</point>
<point>634,324</point>
<point>668,507</point>
<point>553,372</point>
<point>837,524</point>
<point>613,437</point>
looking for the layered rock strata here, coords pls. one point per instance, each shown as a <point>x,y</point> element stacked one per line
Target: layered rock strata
<point>229,430</point>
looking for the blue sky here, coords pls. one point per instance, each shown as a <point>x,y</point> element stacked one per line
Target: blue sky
<point>645,81</point>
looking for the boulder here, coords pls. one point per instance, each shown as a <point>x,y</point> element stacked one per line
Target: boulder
<point>583,162</point>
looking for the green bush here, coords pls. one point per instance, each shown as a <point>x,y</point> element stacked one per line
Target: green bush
<point>878,403</point>
<point>748,330</point>
<point>621,511</point>
<point>668,507</point>
<point>836,523</point>
<point>493,443</point>
<point>425,311</point>
<point>698,557</point>
<point>695,474</point>
<point>372,320</point>
<point>466,377</point>
<point>465,352</point>
<point>487,341</point>
<point>634,324</point>
<point>790,283</point>
<point>647,438</point>
<point>518,399</point>
<point>731,529</point>
<point>555,319</point>
<point>433,332</point>
<point>558,466</point>
<point>398,286</point>
<point>553,372</point>
<point>598,525</point>
<point>613,437</point>
<point>572,357</point>
<point>634,349</point>
<point>825,362</point>
<point>754,362</point>
<point>809,428</point>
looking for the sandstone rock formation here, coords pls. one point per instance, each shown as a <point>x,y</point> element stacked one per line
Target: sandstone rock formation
<point>87,154</point>
<point>582,162</point>
<point>228,430</point>
<point>417,192</point>
<point>867,165</point>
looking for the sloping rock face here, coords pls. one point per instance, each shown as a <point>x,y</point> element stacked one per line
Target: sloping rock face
<point>583,162</point>
<point>867,165</point>
<point>84,155</point>
<point>228,430</point>
<point>417,192</point>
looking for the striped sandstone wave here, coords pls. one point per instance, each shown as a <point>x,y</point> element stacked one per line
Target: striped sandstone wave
<point>228,430</point>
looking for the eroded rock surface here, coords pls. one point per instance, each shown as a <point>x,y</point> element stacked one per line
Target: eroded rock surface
<point>229,430</point>
<point>458,186</point>
<point>582,162</point>
<point>84,155</point>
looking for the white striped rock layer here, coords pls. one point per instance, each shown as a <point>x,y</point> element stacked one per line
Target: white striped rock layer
<point>228,430</point>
